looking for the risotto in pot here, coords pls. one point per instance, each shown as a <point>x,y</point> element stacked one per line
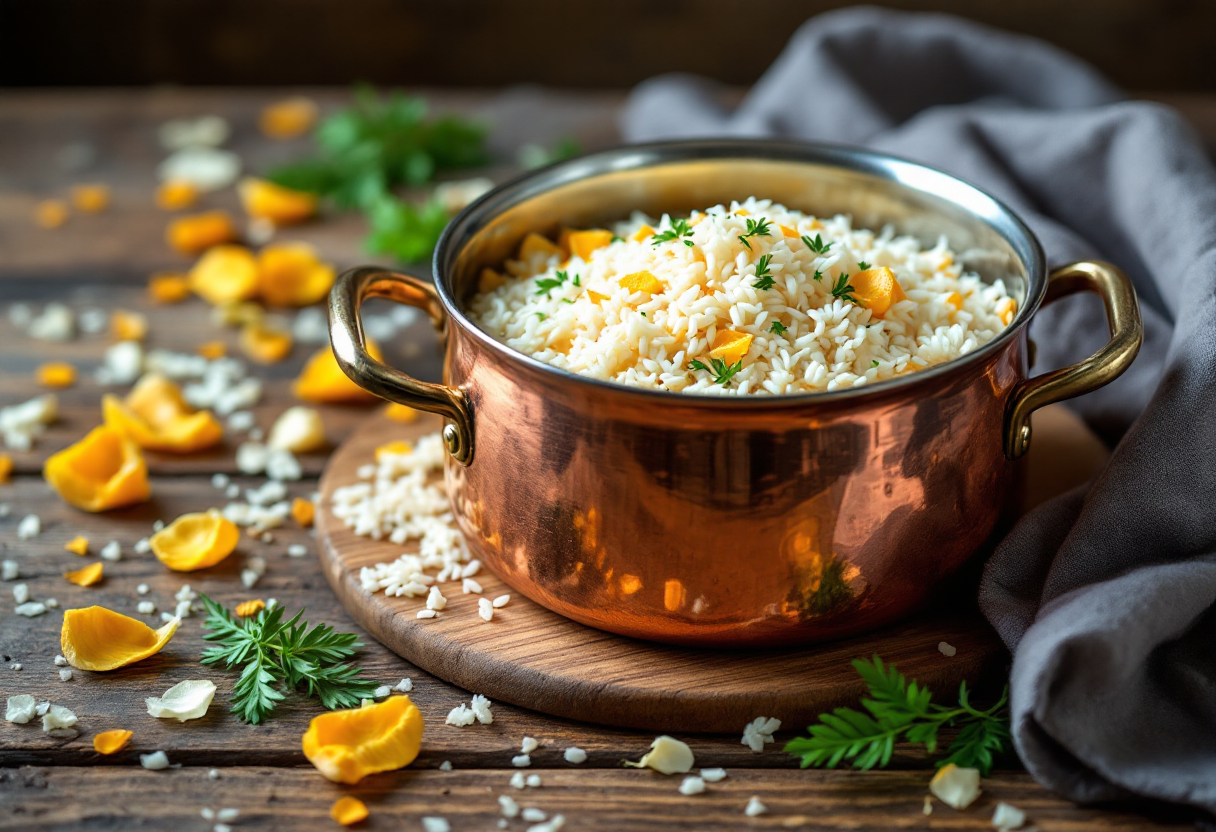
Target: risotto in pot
<point>748,299</point>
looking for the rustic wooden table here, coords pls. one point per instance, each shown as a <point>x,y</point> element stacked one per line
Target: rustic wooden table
<point>49,141</point>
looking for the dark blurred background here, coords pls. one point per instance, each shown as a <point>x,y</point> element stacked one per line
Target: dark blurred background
<point>1140,44</point>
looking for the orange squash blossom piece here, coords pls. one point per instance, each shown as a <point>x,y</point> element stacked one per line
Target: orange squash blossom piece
<point>322,380</point>
<point>786,231</point>
<point>87,576</point>
<point>402,413</point>
<point>56,374</point>
<point>303,511</point>
<point>195,541</point>
<point>156,416</point>
<point>955,300</point>
<point>110,742</point>
<point>534,246</point>
<point>489,280</point>
<point>51,213</point>
<point>247,608</point>
<point>583,243</point>
<point>290,274</point>
<point>95,638</point>
<point>641,282</point>
<point>199,232</point>
<point>282,206</point>
<point>91,198</point>
<point>175,195</point>
<point>348,745</point>
<point>1005,309</point>
<point>642,234</point>
<point>265,344</point>
<point>348,810</point>
<point>877,289</point>
<point>225,274</point>
<point>78,545</point>
<point>104,470</point>
<point>595,296</point>
<point>730,346</point>
<point>288,118</point>
<point>168,287</point>
<point>128,326</point>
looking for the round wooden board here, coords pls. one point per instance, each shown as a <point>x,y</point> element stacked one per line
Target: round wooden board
<point>531,657</point>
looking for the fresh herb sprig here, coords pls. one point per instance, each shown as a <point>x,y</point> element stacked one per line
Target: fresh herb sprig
<point>545,285</point>
<point>764,279</point>
<point>816,245</point>
<point>276,655</point>
<point>897,709</point>
<point>722,372</point>
<point>842,289</point>
<point>755,228</point>
<point>679,229</point>
<point>778,328</point>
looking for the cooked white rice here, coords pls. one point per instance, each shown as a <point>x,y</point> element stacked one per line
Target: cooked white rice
<point>829,343</point>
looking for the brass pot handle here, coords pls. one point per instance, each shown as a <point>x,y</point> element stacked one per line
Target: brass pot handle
<point>1101,368</point>
<point>350,349</point>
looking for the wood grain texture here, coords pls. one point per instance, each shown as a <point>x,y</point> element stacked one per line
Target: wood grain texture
<point>59,800</point>
<point>532,657</point>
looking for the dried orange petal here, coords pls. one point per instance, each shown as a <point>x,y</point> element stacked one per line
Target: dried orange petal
<point>109,742</point>
<point>348,745</point>
<point>225,274</point>
<point>51,213</point>
<point>87,576</point>
<point>290,274</point>
<point>322,380</point>
<point>348,810</point>
<point>103,470</point>
<point>643,233</point>
<point>168,287</point>
<point>730,346</point>
<point>199,232</point>
<point>303,511</point>
<point>268,201</point>
<point>95,638</point>
<point>595,297</point>
<point>641,282</point>
<point>156,416</point>
<point>400,412</point>
<point>248,608</point>
<point>128,326</point>
<point>56,374</point>
<point>176,194</point>
<point>288,118</point>
<point>91,198</point>
<point>78,545</point>
<point>195,541</point>
<point>396,448</point>
<point>265,344</point>
<point>535,247</point>
<point>6,467</point>
<point>583,243</point>
<point>489,280</point>
<point>877,289</point>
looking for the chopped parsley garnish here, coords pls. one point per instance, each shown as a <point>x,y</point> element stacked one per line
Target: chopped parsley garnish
<point>778,328</point>
<point>679,229</point>
<point>540,315</point>
<point>863,265</point>
<point>818,275</point>
<point>816,245</point>
<point>576,281</point>
<point>567,300</point>
<point>643,314</point>
<point>722,371</point>
<point>764,280</point>
<point>755,228</point>
<point>842,289</point>
<point>545,285</point>
<point>873,363</point>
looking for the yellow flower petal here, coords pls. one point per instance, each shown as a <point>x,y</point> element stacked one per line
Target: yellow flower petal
<point>156,416</point>
<point>291,274</point>
<point>225,274</point>
<point>303,511</point>
<point>348,810</point>
<point>88,576</point>
<point>78,545</point>
<point>248,608</point>
<point>322,380</point>
<point>56,374</point>
<point>199,232</point>
<point>102,471</point>
<point>95,638</point>
<point>730,346</point>
<point>195,541</point>
<point>268,201</point>
<point>109,742</point>
<point>346,746</point>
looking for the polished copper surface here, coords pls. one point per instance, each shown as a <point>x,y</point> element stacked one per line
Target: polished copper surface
<point>730,521</point>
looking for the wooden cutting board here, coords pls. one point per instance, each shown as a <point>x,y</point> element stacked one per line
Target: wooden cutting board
<point>537,659</point>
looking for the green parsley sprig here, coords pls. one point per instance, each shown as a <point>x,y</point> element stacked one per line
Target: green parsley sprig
<point>679,229</point>
<point>842,289</point>
<point>755,228</point>
<point>897,709</point>
<point>816,245</point>
<point>722,372</point>
<point>764,279</point>
<point>545,285</point>
<point>778,328</point>
<point>276,655</point>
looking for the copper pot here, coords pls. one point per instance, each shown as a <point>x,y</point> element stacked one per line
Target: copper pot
<point>731,520</point>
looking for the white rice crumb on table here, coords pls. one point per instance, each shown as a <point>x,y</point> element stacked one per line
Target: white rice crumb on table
<point>112,551</point>
<point>461,716</point>
<point>145,608</point>
<point>517,780</point>
<point>21,593</point>
<point>65,675</point>
<point>713,775</point>
<point>1007,818</point>
<point>142,546</point>
<point>485,609</point>
<point>29,527</point>
<point>227,815</point>
<point>533,814</point>
<point>521,761</point>
<point>692,785</point>
<point>57,716</point>
<point>480,706</point>
<point>528,745</point>
<point>510,808</point>
<point>404,686</point>
<point>575,755</point>
<point>219,481</point>
<point>158,525</point>
<point>433,824</point>
<point>532,781</point>
<point>382,692</point>
<point>221,827</point>
<point>928,810</point>
<point>214,774</point>
<point>15,666</point>
<point>470,587</point>
<point>30,609</point>
<point>297,550</point>
<point>501,601</point>
<point>142,589</point>
<point>9,570</point>
<point>426,614</point>
<point>435,600</point>
<point>551,825</point>
<point>43,707</point>
<point>947,649</point>
<point>759,732</point>
<point>754,807</point>
<point>446,765</point>
<point>61,661</point>
<point>826,341</point>
<point>20,709</point>
<point>50,603</point>
<point>470,569</point>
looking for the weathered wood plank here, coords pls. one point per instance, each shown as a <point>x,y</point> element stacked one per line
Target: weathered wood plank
<point>61,799</point>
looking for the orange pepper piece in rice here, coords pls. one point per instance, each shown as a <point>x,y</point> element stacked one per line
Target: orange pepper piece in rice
<point>168,287</point>
<point>225,274</point>
<point>199,232</point>
<point>91,198</point>
<point>730,346</point>
<point>642,234</point>
<point>56,374</point>
<point>489,280</point>
<point>87,576</point>
<point>176,194</point>
<point>156,416</point>
<point>104,470</point>
<point>265,200</point>
<point>195,541</point>
<point>291,274</point>
<point>346,746</point>
<point>1006,309</point>
<point>95,638</point>
<point>595,297</point>
<point>535,247</point>
<point>111,742</point>
<point>584,243</point>
<point>641,282</point>
<point>289,118</point>
<point>877,289</point>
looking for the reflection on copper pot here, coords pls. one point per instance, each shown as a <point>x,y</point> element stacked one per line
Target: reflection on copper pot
<point>731,520</point>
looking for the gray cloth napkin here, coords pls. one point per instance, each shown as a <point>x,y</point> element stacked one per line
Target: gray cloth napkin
<point>1106,595</point>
